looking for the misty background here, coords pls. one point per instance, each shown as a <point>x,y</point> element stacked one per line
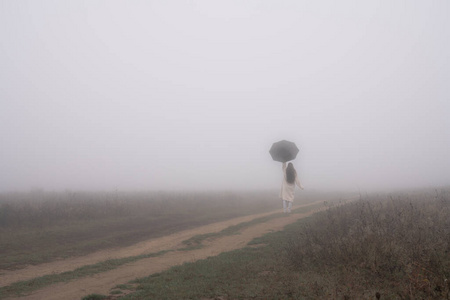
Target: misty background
<point>173,95</point>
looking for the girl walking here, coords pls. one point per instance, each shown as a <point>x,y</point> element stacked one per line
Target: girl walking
<point>290,179</point>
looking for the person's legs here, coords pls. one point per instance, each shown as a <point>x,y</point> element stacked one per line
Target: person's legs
<point>289,206</point>
<point>284,206</point>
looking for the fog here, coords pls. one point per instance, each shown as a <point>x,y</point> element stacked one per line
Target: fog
<point>190,95</point>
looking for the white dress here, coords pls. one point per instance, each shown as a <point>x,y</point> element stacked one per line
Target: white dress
<point>287,189</point>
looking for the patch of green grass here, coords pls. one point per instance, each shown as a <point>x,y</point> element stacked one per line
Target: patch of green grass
<point>124,287</point>
<point>23,287</point>
<point>94,297</point>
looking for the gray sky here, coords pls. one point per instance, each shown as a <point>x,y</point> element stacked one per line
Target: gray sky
<point>191,94</point>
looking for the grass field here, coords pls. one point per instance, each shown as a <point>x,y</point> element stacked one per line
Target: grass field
<point>25,287</point>
<point>39,226</point>
<point>396,246</point>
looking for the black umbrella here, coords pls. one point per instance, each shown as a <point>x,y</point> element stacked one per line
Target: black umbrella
<point>283,151</point>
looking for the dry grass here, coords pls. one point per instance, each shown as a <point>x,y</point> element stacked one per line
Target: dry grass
<point>397,244</point>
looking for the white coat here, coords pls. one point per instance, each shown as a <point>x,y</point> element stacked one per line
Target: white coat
<point>287,189</point>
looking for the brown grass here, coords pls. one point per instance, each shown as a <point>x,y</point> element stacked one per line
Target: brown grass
<point>399,244</point>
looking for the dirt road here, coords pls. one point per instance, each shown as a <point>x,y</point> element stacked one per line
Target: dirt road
<point>102,283</point>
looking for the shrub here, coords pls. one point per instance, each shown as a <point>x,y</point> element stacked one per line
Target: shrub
<point>400,239</point>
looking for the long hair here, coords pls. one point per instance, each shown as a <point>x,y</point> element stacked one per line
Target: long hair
<point>290,173</point>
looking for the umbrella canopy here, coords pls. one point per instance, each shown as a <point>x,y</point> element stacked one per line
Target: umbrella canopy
<point>283,151</point>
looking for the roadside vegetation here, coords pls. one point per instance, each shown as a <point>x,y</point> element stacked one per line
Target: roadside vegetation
<point>382,246</point>
<point>397,245</point>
